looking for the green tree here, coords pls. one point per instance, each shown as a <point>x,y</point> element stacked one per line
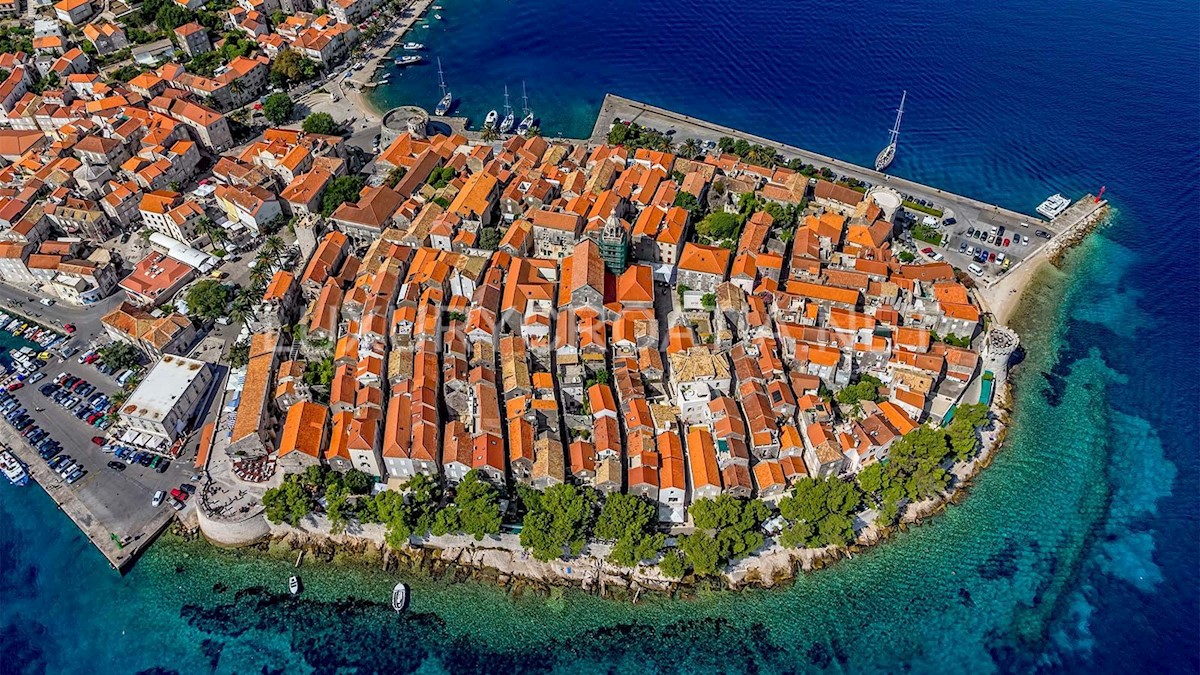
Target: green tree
<point>734,524</point>
<point>290,66</point>
<point>320,123</point>
<point>709,301</point>
<point>673,564</point>
<point>119,355</point>
<point>278,108</point>
<point>341,190</point>
<point>239,354</point>
<point>866,389</point>
<point>357,482</point>
<point>559,518</point>
<point>628,522</point>
<point>691,149</point>
<point>719,225</point>
<point>489,134</point>
<point>820,512</point>
<point>702,552</point>
<point>289,502</point>
<point>336,508</point>
<point>489,238</point>
<point>171,16</point>
<point>207,299</point>
<point>474,511</point>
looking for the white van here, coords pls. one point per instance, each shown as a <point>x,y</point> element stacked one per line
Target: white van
<point>975,269</point>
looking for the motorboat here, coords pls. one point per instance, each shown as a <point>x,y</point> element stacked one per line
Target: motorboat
<point>490,121</point>
<point>294,586</point>
<point>400,597</point>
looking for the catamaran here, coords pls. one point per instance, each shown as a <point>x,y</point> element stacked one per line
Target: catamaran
<point>527,122</point>
<point>884,160</point>
<point>507,125</point>
<point>443,105</point>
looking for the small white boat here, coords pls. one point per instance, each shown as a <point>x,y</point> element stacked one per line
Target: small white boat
<point>414,46</point>
<point>438,17</point>
<point>294,585</point>
<point>490,121</point>
<point>408,60</point>
<point>400,597</point>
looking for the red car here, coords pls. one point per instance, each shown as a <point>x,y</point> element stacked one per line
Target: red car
<point>91,358</point>
<point>927,251</point>
<point>179,494</point>
<point>1006,242</point>
<point>98,440</point>
<point>991,257</point>
<point>15,386</point>
<point>70,328</point>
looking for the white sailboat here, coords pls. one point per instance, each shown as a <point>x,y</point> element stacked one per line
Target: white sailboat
<point>527,122</point>
<point>509,120</point>
<point>884,160</point>
<point>443,105</point>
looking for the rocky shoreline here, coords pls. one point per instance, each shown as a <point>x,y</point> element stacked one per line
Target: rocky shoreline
<point>500,560</point>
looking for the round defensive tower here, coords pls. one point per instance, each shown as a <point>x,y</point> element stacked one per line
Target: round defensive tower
<point>407,118</point>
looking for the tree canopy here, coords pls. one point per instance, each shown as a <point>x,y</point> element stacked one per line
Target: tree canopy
<point>290,66</point>
<point>119,355</point>
<point>559,518</point>
<point>341,190</point>
<point>320,123</point>
<point>289,502</point>
<point>475,509</point>
<point>206,299</point>
<point>726,528</point>
<point>628,521</point>
<point>820,512</point>
<point>278,108</point>
<point>720,225</point>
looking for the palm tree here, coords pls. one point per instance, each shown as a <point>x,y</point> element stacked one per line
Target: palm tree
<point>271,248</point>
<point>215,233</point>
<point>690,149</point>
<point>260,274</point>
<point>489,134</point>
<point>243,306</point>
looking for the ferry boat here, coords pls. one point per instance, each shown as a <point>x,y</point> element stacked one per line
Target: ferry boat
<point>408,60</point>
<point>509,120</point>
<point>888,154</point>
<point>490,121</point>
<point>400,597</point>
<point>294,585</point>
<point>1054,205</point>
<point>414,46</point>
<point>13,469</point>
<point>443,105</point>
<point>528,121</point>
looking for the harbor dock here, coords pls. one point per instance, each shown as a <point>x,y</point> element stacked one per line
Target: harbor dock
<point>119,536</point>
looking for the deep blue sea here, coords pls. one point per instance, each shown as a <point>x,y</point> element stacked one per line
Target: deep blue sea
<point>1077,550</point>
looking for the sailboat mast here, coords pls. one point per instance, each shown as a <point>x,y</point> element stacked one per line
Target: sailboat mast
<point>524,99</point>
<point>441,77</point>
<point>899,115</point>
<point>507,107</point>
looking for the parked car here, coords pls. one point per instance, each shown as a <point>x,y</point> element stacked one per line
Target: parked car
<point>98,440</point>
<point>116,466</point>
<point>162,467</point>
<point>962,247</point>
<point>179,494</point>
<point>37,377</point>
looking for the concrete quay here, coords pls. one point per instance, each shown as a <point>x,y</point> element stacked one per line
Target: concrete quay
<point>102,529</point>
<point>617,107</point>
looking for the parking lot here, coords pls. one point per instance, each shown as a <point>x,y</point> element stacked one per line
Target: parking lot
<point>121,500</point>
<point>975,234</point>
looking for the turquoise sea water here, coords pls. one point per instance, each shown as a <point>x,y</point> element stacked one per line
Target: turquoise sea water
<point>1076,550</point>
